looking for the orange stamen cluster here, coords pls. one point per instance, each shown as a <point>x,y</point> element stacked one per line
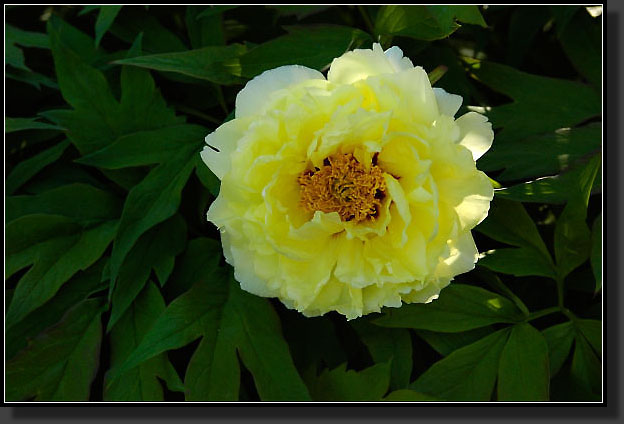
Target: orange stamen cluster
<point>343,185</point>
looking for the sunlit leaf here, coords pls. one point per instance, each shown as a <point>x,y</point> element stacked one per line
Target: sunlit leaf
<point>425,22</point>
<point>459,308</point>
<point>557,104</point>
<point>212,63</point>
<point>509,223</point>
<point>572,235</point>
<point>543,154</point>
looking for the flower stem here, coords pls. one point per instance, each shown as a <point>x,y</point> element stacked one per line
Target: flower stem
<point>367,21</point>
<point>543,312</point>
<point>437,73</point>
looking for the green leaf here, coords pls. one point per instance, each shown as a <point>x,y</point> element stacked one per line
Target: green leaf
<point>26,38</point>
<point>572,236</point>
<point>78,288</point>
<point>524,25</point>
<point>28,168</point>
<point>86,90</point>
<point>508,222</point>
<point>156,246</point>
<point>543,154</point>
<point>497,284</point>
<point>229,320</point>
<point>344,385</point>
<point>562,16</point>
<point>459,308</point>
<point>207,178</point>
<point>585,371</point>
<point>206,30</point>
<point>447,343</point>
<point>140,383</point>
<point>425,22</point>
<point>32,78</point>
<point>596,251</point>
<point>60,363</point>
<point>79,201</point>
<point>184,320</point>
<point>559,339</point>
<point>57,248</point>
<point>406,395</point>
<point>12,36</point>
<point>300,11</point>
<point>146,147</point>
<point>310,357</point>
<point>141,107</point>
<point>21,124</point>
<point>468,374</point>
<point>105,19</point>
<point>312,46</point>
<point>98,119</point>
<point>87,9</point>
<point>386,345</point>
<point>248,325</point>
<point>152,201</point>
<point>212,63</point>
<point>581,40</point>
<point>75,41</point>
<point>156,37</point>
<point>591,329</point>
<point>523,373</point>
<point>201,255</point>
<point>520,262</point>
<point>14,56</point>
<point>557,189</point>
<point>557,104</point>
<point>215,10</point>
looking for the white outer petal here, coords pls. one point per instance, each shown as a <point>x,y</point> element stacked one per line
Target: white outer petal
<point>396,59</point>
<point>448,104</point>
<point>475,133</point>
<point>252,99</point>
<point>224,139</point>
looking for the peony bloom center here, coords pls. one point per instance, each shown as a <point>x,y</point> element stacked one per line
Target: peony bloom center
<point>345,186</point>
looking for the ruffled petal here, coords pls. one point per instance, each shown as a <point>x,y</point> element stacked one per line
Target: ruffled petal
<point>363,63</point>
<point>252,100</point>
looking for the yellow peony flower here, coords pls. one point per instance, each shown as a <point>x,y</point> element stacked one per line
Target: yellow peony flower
<point>349,193</point>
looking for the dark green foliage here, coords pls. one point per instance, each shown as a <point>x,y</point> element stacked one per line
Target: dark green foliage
<point>116,287</point>
<point>461,308</point>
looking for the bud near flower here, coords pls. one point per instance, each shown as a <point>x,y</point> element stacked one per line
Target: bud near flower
<point>349,193</point>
